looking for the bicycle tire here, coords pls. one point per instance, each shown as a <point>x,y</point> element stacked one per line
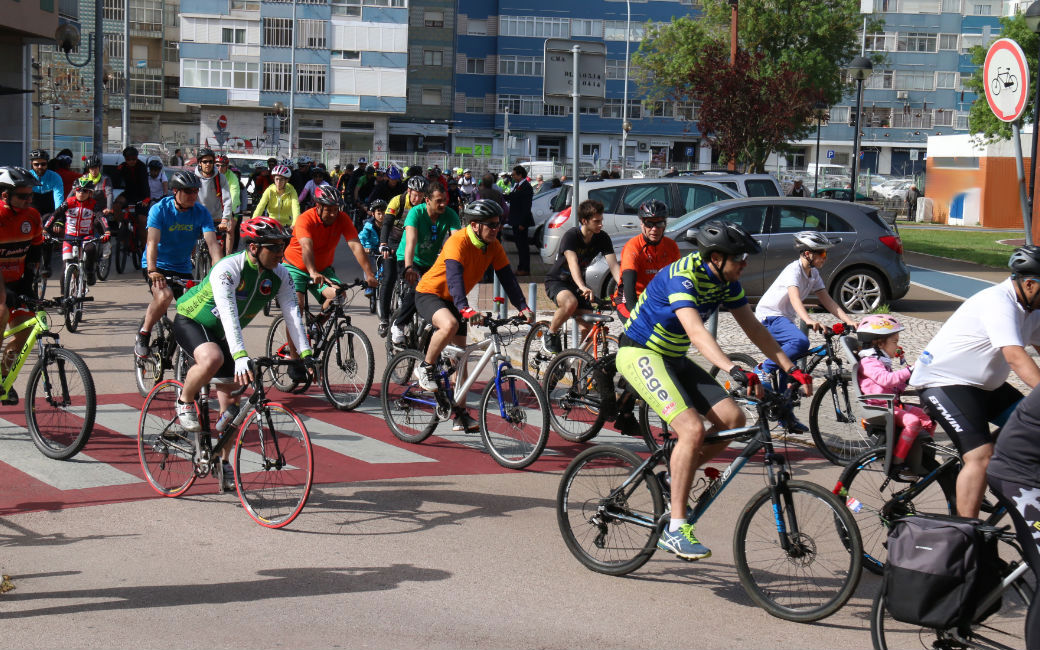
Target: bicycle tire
<point>835,560</point>
<point>135,253</point>
<point>608,344</point>
<point>347,368</point>
<point>149,371</point>
<point>119,250</point>
<point>601,542</point>
<point>572,392</point>
<point>653,428</point>
<point>103,264</point>
<point>407,409</point>
<point>70,289</point>
<point>835,422</point>
<point>277,346</point>
<point>535,361</point>
<point>60,425</point>
<point>746,361</point>
<point>873,509</point>
<point>274,465</point>
<point>514,426</point>
<point>167,451</point>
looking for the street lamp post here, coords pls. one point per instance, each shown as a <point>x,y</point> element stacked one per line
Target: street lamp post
<point>860,67</point>
<point>732,164</point>
<point>1032,17</point>
<point>626,126</point>
<point>280,116</point>
<point>821,112</point>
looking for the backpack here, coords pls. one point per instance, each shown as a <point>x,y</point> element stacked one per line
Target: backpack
<point>939,567</point>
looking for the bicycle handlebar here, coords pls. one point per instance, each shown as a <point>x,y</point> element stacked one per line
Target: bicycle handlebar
<point>61,304</point>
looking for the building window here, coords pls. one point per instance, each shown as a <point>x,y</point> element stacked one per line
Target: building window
<point>839,115</point>
<point>171,86</point>
<point>431,97</point>
<point>614,30</point>
<point>171,52</point>
<point>583,27</point>
<point>277,77</point>
<point>554,110</point>
<point>433,57</point>
<point>948,41</point>
<point>917,42</point>
<point>951,6</point>
<point>433,18</point>
<point>245,5</point>
<point>615,69</point>
<point>113,10</point>
<point>476,27</point>
<point>203,73</point>
<point>310,78</point>
<point>475,66</point>
<point>659,109</point>
<point>523,105</point>
<point>880,80</point>
<point>278,32</point>
<point>914,80</point>
<point>114,46</point>
<point>530,66</point>
<point>310,140</point>
<point>943,117</point>
<point>311,34</point>
<point>911,120</point>
<point>234,35</point>
<point>983,9</point>
<point>474,104</point>
<point>613,108</point>
<point>349,56</point>
<point>346,7</point>
<point>960,121</point>
<point>915,6</point>
<point>969,41</point>
<point>686,111</point>
<point>876,117</point>
<point>880,42</point>
<point>510,103</point>
<point>946,80</point>
<point>590,150</point>
<point>534,26</point>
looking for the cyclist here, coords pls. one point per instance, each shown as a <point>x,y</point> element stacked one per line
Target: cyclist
<point>224,169</point>
<point>49,189</point>
<point>77,219</point>
<point>134,177</point>
<point>211,315</point>
<point>565,282</point>
<point>369,236</point>
<point>963,371</point>
<point>174,225</point>
<point>468,186</point>
<point>668,316</point>
<point>389,188</point>
<point>440,296</point>
<point>158,186</point>
<point>389,241</point>
<point>103,193</point>
<point>279,199</point>
<point>426,228</point>
<point>306,196</point>
<point>215,194</point>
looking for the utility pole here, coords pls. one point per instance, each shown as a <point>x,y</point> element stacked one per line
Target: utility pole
<point>126,74</point>
<point>99,79</point>
<point>505,141</point>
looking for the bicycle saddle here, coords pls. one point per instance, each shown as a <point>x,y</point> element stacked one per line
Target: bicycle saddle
<point>596,318</point>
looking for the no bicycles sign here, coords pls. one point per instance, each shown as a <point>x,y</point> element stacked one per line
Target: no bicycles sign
<point>1006,75</point>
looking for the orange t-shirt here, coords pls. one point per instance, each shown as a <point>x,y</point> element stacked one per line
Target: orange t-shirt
<point>647,260</point>
<point>325,238</point>
<point>19,229</point>
<point>463,247</point>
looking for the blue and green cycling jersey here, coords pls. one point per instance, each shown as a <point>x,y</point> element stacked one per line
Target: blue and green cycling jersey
<point>688,282</point>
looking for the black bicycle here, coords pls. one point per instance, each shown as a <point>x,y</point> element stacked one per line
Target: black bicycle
<point>797,549</point>
<point>163,352</point>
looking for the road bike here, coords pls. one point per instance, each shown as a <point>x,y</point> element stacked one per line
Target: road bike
<point>598,341</point>
<point>346,361</point>
<point>274,462</point>
<point>163,352</point>
<point>126,244</point>
<point>60,401</point>
<point>74,283</point>
<point>511,410</point>
<point>796,547</point>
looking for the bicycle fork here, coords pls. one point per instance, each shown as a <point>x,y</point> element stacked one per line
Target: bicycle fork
<point>62,380</point>
<point>783,508</point>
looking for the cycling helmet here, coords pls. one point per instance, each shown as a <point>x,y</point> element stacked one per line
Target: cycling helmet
<point>154,164</point>
<point>82,183</point>
<point>326,194</point>
<point>93,160</point>
<point>377,205</point>
<point>184,180</point>
<point>393,173</point>
<point>370,169</point>
<point>281,170</point>
<point>417,183</point>
<point>11,177</point>
<point>1025,262</point>
<point>38,154</point>
<point>725,237</point>
<point>263,230</point>
<point>653,210</point>
<point>131,152</point>
<point>414,170</point>
<point>810,240</point>
<point>303,160</point>
<point>222,159</point>
<point>877,326</point>
<point>203,152</point>
<point>482,210</point>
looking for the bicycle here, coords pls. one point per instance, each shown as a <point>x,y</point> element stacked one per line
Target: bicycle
<point>512,405</point>
<point>74,283</point>
<point>373,297</point>
<point>417,332</point>
<point>598,341</point>
<point>60,401</point>
<point>1004,79</point>
<point>126,243</point>
<point>346,362</point>
<point>39,284</point>
<point>163,352</point>
<point>274,461</point>
<point>796,548</point>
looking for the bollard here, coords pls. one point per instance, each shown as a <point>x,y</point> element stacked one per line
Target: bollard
<point>496,291</point>
<point>575,334</point>
<point>532,298</point>
<point>713,324</point>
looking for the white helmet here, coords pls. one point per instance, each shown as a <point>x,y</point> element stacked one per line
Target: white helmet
<point>810,240</point>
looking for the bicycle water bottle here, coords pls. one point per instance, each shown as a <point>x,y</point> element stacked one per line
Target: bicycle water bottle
<point>227,417</point>
<point>925,358</point>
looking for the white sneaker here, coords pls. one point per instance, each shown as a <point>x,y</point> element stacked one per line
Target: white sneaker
<point>427,378</point>
<point>187,418</point>
<point>396,335</point>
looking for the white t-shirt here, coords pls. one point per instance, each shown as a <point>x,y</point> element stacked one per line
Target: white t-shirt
<point>776,302</point>
<point>966,351</point>
<point>155,188</point>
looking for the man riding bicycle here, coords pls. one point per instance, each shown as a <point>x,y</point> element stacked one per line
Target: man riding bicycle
<point>666,319</point>
<point>440,296</point>
<point>211,315</point>
<point>215,195</point>
<point>390,239</point>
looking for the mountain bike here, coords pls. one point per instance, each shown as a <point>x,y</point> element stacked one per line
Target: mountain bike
<point>39,284</point>
<point>60,402</point>
<point>126,245</point>
<point>74,283</point>
<point>512,406</point>
<point>273,463</point>
<point>598,341</point>
<point>796,548</point>
<point>163,352</point>
<point>373,297</point>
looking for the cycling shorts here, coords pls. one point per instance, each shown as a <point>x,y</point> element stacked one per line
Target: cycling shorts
<point>190,335</point>
<point>428,304</point>
<point>21,287</point>
<point>177,290</point>
<point>965,412</point>
<point>553,288</point>
<point>301,281</point>
<point>669,385</point>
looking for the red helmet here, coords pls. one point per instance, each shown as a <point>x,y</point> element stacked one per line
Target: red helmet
<point>263,230</point>
<point>222,159</point>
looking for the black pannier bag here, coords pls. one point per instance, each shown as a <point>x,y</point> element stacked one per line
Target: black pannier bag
<point>938,569</point>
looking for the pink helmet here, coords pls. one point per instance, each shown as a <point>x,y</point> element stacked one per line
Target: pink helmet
<point>281,170</point>
<point>876,326</point>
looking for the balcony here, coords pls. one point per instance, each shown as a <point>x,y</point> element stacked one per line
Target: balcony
<point>68,9</point>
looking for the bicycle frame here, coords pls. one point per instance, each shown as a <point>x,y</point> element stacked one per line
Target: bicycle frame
<point>39,325</point>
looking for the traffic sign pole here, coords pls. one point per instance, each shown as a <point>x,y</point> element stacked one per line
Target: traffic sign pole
<point>575,96</point>
<point>1006,77</point>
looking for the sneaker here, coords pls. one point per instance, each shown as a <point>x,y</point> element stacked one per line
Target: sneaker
<point>229,476</point>
<point>369,291</point>
<point>91,279</point>
<point>11,399</point>
<point>381,330</point>
<point>551,343</point>
<point>683,543</point>
<point>396,335</point>
<point>764,377</point>
<point>141,346</point>
<point>465,422</point>
<point>424,372</point>
<point>792,424</point>
<point>628,425</point>
<point>187,417</point>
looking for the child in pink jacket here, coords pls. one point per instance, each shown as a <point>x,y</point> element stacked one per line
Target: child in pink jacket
<point>881,334</point>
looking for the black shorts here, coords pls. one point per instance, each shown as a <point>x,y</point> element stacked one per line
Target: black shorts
<point>554,287</point>
<point>965,412</point>
<point>428,304</point>
<point>20,287</point>
<point>177,290</point>
<point>190,335</point>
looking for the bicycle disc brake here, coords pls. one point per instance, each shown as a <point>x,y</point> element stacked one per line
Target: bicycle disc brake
<point>444,405</point>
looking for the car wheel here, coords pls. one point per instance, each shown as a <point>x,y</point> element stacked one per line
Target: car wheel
<point>536,241</point>
<point>610,286</point>
<point>860,291</point>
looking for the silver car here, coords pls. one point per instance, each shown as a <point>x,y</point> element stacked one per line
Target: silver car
<point>864,270</point>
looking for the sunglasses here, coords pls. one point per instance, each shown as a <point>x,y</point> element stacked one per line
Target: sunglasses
<point>206,162</point>
<point>274,248</point>
<point>655,224</point>
<point>39,163</point>
<point>83,190</point>
<point>491,226</point>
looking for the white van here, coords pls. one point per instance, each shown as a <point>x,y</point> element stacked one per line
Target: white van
<point>826,169</point>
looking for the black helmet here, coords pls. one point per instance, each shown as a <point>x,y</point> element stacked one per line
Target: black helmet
<point>130,152</point>
<point>724,237</point>
<point>1025,262</point>
<point>16,177</point>
<point>326,194</point>
<point>38,154</point>
<point>93,160</point>
<point>378,204</point>
<point>154,164</point>
<point>203,152</point>
<point>482,210</point>
<point>370,169</point>
<point>417,183</point>
<point>653,210</point>
<point>184,180</point>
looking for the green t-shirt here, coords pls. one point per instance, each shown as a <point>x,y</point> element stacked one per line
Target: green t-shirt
<point>431,237</point>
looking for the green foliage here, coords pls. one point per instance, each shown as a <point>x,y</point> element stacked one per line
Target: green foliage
<point>981,119</point>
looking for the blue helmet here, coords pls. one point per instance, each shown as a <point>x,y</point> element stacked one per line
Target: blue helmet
<point>393,173</point>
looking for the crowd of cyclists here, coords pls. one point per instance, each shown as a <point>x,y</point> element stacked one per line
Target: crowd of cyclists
<point>439,232</point>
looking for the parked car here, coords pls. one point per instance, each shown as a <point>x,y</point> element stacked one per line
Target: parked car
<point>742,184</point>
<point>864,270</point>
<point>840,194</point>
<point>894,189</point>
<point>621,200</point>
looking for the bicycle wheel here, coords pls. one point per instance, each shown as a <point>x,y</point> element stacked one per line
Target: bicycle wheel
<point>347,368</point>
<point>608,533</point>
<point>409,410</point>
<point>71,289</point>
<point>277,346</point>
<point>573,393</point>
<point>274,465</point>
<point>149,371</point>
<point>607,344</point>
<point>835,421</point>
<point>120,250</point>
<point>512,419</point>
<point>876,501</point>
<point>654,429</point>
<point>819,570</point>
<point>60,403</point>
<point>746,361</point>
<point>200,260</point>
<point>167,451</point>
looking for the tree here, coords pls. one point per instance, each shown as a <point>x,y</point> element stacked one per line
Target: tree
<point>791,53</point>
<point>981,119</point>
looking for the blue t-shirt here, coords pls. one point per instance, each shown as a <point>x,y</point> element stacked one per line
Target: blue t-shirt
<point>686,283</point>
<point>178,232</point>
